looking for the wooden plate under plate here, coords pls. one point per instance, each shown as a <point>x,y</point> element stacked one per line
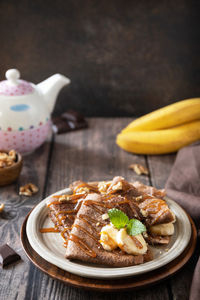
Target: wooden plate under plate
<point>135,282</point>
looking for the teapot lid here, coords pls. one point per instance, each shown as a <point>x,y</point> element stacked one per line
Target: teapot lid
<point>14,86</point>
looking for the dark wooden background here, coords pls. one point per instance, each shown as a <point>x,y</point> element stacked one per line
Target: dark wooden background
<point>124,57</point>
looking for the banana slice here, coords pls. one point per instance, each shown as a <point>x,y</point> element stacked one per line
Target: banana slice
<point>108,237</point>
<point>162,229</point>
<point>131,244</point>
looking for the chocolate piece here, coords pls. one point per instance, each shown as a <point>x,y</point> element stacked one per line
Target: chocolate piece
<point>73,116</point>
<point>60,125</point>
<point>8,255</point>
<point>68,121</point>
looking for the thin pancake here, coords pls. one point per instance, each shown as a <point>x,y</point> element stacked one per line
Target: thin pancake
<point>83,243</point>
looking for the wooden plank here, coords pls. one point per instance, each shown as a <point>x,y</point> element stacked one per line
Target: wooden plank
<point>14,278</point>
<point>49,289</point>
<point>160,167</point>
<point>91,155</point>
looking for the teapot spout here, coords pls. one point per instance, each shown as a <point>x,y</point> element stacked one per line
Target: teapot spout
<point>51,87</point>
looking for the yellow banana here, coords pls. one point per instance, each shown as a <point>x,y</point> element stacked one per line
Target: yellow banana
<point>160,141</point>
<point>169,116</point>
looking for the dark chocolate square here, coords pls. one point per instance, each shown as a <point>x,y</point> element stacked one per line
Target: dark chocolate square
<point>8,255</point>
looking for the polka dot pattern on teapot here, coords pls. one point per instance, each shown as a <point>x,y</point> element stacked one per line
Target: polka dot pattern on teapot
<point>24,140</point>
<point>23,88</point>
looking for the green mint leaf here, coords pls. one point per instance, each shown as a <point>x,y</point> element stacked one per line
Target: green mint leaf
<point>118,218</point>
<point>135,227</point>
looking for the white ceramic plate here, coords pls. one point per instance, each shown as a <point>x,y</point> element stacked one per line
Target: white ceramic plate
<point>50,245</point>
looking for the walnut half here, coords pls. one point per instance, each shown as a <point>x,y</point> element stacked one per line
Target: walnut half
<point>7,159</point>
<point>28,190</point>
<point>139,169</point>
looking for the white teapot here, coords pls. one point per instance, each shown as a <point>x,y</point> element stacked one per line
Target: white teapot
<point>25,110</point>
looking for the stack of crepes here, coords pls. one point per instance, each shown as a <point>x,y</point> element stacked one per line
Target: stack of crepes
<point>84,221</point>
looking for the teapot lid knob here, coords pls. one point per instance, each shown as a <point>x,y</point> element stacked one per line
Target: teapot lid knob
<point>14,86</point>
<point>13,75</point>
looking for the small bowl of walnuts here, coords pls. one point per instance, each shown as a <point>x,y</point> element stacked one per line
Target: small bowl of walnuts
<point>10,166</point>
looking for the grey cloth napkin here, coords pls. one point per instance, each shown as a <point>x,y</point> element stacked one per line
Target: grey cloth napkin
<point>183,186</point>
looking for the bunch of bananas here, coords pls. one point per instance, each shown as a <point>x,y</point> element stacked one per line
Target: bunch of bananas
<point>164,130</point>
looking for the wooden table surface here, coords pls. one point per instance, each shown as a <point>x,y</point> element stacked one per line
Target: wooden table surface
<point>89,155</point>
